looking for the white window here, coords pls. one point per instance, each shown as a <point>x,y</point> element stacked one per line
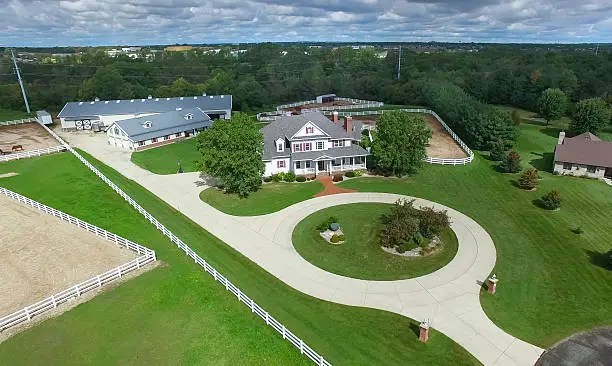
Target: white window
<point>298,165</point>
<point>307,164</point>
<point>279,147</point>
<point>141,143</point>
<point>116,130</point>
<point>166,138</point>
<point>338,143</point>
<point>297,147</point>
<point>280,164</point>
<point>319,145</point>
<point>307,147</point>
<point>309,130</point>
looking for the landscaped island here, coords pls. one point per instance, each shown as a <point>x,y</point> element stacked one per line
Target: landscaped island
<point>361,255</point>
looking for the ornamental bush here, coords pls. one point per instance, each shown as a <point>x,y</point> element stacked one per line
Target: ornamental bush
<point>289,177</point>
<point>276,177</point>
<point>300,179</point>
<point>349,174</point>
<point>511,163</point>
<point>529,179</point>
<point>337,178</point>
<point>335,238</point>
<point>325,224</point>
<point>267,179</point>
<point>358,173</point>
<point>551,200</point>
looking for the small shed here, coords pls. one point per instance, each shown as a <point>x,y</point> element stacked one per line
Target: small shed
<point>44,117</point>
<point>326,98</point>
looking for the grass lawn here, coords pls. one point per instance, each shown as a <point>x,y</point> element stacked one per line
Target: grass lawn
<point>271,197</point>
<point>551,284</point>
<point>10,114</point>
<point>178,314</point>
<point>163,159</point>
<point>361,256</point>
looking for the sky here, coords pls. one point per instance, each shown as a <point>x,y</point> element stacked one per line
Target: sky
<point>141,22</point>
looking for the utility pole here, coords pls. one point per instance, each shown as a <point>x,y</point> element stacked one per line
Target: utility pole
<point>597,49</point>
<point>399,62</point>
<point>25,98</point>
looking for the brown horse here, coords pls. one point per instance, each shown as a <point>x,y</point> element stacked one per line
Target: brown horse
<point>17,148</point>
<point>4,152</point>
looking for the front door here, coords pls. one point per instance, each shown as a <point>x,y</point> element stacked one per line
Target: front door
<point>321,166</point>
<point>608,173</point>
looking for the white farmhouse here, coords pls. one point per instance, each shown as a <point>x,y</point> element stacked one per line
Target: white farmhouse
<point>100,114</point>
<point>311,144</point>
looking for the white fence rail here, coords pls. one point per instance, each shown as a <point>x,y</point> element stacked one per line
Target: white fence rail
<point>431,160</point>
<point>355,104</point>
<point>18,121</point>
<point>229,286</point>
<point>26,314</point>
<point>29,154</point>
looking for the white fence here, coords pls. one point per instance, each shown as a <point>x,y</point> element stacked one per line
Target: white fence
<point>229,286</point>
<point>431,160</point>
<point>29,154</point>
<point>18,121</point>
<point>53,301</point>
<point>355,104</point>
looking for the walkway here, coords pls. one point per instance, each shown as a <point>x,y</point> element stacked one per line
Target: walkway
<point>448,297</point>
<point>330,187</point>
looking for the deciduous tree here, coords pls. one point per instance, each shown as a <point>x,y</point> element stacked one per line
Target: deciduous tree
<point>590,115</point>
<point>231,152</point>
<point>552,104</point>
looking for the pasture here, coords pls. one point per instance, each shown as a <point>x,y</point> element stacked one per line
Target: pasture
<point>31,136</point>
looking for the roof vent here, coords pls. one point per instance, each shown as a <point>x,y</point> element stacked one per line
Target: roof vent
<point>167,98</point>
<point>189,116</point>
<point>91,102</point>
<point>132,101</point>
<point>142,100</point>
<point>181,98</point>
<point>147,124</point>
<point>179,108</point>
<point>195,97</point>
<point>204,94</point>
<point>80,103</point>
<point>117,101</point>
<point>150,96</point>
<point>211,97</point>
<point>222,96</point>
<point>96,99</point>
<point>157,99</point>
<point>106,102</point>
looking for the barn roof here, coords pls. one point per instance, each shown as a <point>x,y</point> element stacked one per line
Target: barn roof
<point>164,124</point>
<point>208,104</point>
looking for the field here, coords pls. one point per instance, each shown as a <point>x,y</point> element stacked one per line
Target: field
<point>177,314</point>
<point>552,284</point>
<point>30,135</point>
<point>164,159</point>
<point>10,114</point>
<point>361,256</point>
<point>271,197</point>
<point>41,255</point>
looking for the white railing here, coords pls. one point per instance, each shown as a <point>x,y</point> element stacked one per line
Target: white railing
<point>18,121</point>
<point>347,167</point>
<point>344,107</point>
<point>355,104</point>
<point>29,154</point>
<point>51,302</point>
<point>229,286</point>
<point>297,104</point>
<point>431,160</point>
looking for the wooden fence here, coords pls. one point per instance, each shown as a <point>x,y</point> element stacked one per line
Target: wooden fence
<point>51,302</point>
<point>229,286</point>
<point>18,121</point>
<point>29,154</point>
<point>431,160</point>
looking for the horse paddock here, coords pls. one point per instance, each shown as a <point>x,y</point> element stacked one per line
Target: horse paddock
<point>31,136</point>
<point>41,255</point>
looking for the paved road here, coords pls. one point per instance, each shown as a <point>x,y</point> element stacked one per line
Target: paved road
<point>449,297</point>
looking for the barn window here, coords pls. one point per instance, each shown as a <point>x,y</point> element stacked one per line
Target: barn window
<point>117,131</point>
<point>141,143</point>
<point>154,139</point>
<point>147,124</point>
<point>189,116</point>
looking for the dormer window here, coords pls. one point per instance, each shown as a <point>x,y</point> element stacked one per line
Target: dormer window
<point>189,116</point>
<point>147,124</point>
<point>309,130</point>
<point>280,145</point>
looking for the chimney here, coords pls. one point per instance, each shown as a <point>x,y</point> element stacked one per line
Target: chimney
<point>150,96</point>
<point>561,137</point>
<point>335,120</point>
<point>348,124</point>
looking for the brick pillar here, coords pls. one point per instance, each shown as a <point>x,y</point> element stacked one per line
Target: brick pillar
<point>493,284</point>
<point>335,117</point>
<point>424,331</point>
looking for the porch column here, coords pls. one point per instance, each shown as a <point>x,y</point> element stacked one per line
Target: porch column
<point>316,163</point>
<point>342,164</point>
<point>365,161</point>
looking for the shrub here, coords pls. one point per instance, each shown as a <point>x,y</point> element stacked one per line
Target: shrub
<point>516,117</point>
<point>289,177</point>
<point>341,237</point>
<point>512,163</point>
<point>349,174</point>
<point>358,173</point>
<point>432,222</point>
<point>498,150</point>
<point>337,178</point>
<point>551,200</point>
<point>401,248</point>
<point>325,224</point>
<point>276,177</point>
<point>267,179</point>
<point>529,179</point>
<point>335,238</point>
<point>300,179</point>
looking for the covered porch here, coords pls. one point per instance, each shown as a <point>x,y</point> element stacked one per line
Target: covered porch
<point>329,165</point>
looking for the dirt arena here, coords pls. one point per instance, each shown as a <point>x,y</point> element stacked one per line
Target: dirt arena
<point>29,135</point>
<point>441,144</point>
<point>41,255</point>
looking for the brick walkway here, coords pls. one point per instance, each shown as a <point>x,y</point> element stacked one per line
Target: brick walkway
<point>330,187</point>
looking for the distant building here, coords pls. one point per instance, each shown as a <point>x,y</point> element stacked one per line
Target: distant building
<point>584,155</point>
<point>157,130</point>
<point>178,48</point>
<point>44,117</point>
<point>100,114</point>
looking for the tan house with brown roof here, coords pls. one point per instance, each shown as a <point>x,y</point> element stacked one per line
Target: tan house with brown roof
<point>583,155</point>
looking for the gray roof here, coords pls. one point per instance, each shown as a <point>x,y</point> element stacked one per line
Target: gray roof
<point>336,152</point>
<point>287,126</point>
<point>42,113</point>
<point>164,124</point>
<point>208,104</point>
<point>586,149</point>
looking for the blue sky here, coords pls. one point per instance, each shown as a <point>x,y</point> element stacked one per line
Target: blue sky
<point>140,22</point>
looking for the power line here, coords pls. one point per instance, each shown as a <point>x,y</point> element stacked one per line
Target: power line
<point>25,98</point>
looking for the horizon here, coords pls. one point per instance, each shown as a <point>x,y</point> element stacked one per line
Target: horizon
<point>98,23</point>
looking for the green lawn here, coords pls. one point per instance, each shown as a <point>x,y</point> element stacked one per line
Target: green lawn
<point>550,282</point>
<point>271,197</point>
<point>361,256</point>
<point>164,159</point>
<point>178,314</point>
<point>10,114</point>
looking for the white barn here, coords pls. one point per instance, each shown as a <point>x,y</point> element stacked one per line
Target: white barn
<point>100,114</point>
